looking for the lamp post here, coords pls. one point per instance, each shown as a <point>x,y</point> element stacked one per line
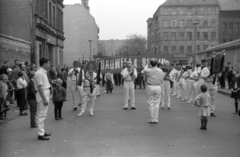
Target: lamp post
<point>90,58</point>
<point>195,43</point>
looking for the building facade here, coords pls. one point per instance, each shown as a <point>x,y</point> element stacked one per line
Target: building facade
<point>48,35</point>
<point>81,32</point>
<point>229,20</point>
<point>32,29</point>
<point>172,29</point>
<point>111,46</point>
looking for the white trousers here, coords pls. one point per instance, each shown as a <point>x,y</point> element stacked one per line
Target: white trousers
<point>190,89</point>
<point>42,111</point>
<point>129,93</point>
<point>212,91</point>
<point>77,91</point>
<point>153,100</point>
<point>88,97</point>
<point>174,88</point>
<point>165,87</point>
<point>181,87</point>
<point>97,90</point>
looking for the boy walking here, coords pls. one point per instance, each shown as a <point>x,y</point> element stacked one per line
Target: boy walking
<point>59,96</point>
<point>203,102</point>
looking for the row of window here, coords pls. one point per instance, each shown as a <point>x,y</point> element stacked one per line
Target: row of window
<point>181,11</point>
<point>230,15</point>
<point>181,49</point>
<point>184,36</point>
<point>50,12</point>
<point>231,28</point>
<point>186,23</point>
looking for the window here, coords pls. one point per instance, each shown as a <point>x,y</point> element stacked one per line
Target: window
<point>205,35</point>
<point>197,11</point>
<point>46,10</point>
<point>173,35</point>
<point>181,35</point>
<point>205,47</point>
<point>213,23</point>
<point>237,28</point>
<point>173,11</point>
<point>189,11</point>
<point>214,11</point>
<point>50,13</point>
<point>198,35</point>
<point>189,49</point>
<point>205,23</point>
<point>224,40</point>
<point>198,48</point>
<point>181,49</point>
<point>159,49</point>
<point>213,35</point>
<point>165,23</point>
<point>165,35</point>
<point>159,36</point>
<point>165,49</point>
<point>165,12</point>
<point>189,23</point>
<point>54,16</point>
<point>173,23</point>
<point>205,11</point>
<point>230,28</point>
<point>174,49</point>
<point>180,11</point>
<point>181,23</point>
<point>225,28</point>
<point>189,34</point>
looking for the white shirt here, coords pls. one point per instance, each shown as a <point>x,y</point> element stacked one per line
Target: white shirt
<point>41,78</point>
<point>74,77</point>
<point>127,76</point>
<point>21,83</point>
<point>205,73</point>
<point>86,82</point>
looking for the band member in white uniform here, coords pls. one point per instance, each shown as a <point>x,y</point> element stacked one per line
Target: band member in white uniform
<point>129,75</point>
<point>206,79</point>
<point>181,84</point>
<point>89,92</point>
<point>173,75</point>
<point>75,89</point>
<point>195,77</point>
<point>189,82</point>
<point>166,86</point>
<point>154,80</point>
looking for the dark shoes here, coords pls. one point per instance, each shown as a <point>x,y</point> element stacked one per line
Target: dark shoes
<point>57,118</point>
<point>23,114</point>
<point>34,126</point>
<point>47,134</point>
<point>79,104</point>
<point>169,108</point>
<point>125,108</point>
<point>43,138</point>
<point>75,109</point>
<point>213,115</point>
<point>60,117</point>
<point>133,108</point>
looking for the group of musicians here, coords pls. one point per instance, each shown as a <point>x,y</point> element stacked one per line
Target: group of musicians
<point>179,80</point>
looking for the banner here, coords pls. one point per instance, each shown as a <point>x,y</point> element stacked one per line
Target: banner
<point>116,63</point>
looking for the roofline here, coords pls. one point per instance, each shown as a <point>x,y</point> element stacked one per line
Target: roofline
<point>190,5</point>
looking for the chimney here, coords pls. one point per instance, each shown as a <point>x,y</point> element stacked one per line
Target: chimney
<point>85,4</point>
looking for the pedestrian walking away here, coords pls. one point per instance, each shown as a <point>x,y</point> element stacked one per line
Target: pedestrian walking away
<point>154,81</point>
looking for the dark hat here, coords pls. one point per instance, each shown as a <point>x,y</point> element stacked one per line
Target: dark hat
<point>204,60</point>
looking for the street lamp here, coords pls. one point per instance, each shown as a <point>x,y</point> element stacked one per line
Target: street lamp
<point>195,43</point>
<point>90,41</point>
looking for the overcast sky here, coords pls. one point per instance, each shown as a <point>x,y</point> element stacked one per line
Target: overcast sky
<point>119,18</point>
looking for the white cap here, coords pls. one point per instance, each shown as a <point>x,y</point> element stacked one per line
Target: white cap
<point>9,70</point>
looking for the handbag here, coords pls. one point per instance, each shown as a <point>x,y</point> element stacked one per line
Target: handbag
<point>4,106</point>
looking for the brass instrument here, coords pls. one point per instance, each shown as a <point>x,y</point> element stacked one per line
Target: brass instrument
<point>180,74</point>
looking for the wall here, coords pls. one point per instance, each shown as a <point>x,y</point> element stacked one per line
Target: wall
<point>13,48</point>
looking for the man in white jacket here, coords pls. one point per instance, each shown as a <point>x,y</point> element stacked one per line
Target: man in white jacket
<point>129,75</point>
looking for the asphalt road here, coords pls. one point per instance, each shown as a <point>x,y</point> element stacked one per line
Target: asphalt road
<point>113,132</point>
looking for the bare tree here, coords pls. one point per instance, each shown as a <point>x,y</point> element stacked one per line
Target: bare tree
<point>134,45</point>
